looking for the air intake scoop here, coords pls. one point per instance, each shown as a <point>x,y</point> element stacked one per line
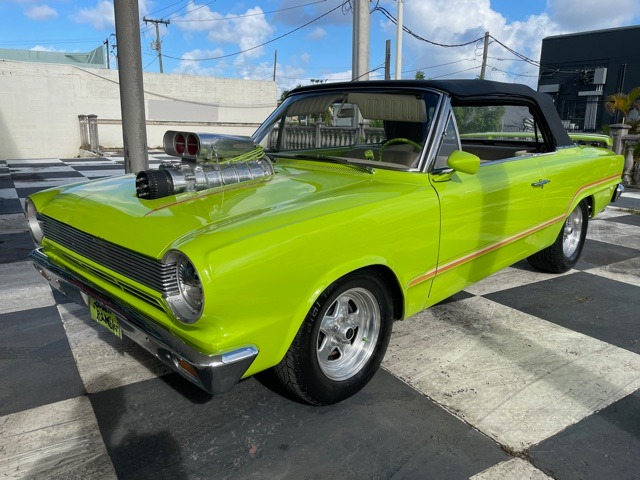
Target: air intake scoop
<point>209,161</point>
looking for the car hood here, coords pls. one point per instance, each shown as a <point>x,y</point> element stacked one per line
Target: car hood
<point>109,209</point>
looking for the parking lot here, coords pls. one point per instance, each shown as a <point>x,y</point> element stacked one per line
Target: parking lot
<point>523,375</point>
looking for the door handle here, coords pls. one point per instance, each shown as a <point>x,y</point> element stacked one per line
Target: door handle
<point>540,183</point>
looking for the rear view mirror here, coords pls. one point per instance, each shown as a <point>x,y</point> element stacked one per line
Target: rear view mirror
<point>347,112</point>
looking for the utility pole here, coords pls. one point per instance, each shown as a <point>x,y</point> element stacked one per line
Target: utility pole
<point>484,55</point>
<point>387,60</point>
<point>360,50</point>
<point>157,45</point>
<point>106,42</point>
<point>399,41</point>
<point>114,48</point>
<point>275,65</point>
<point>134,129</point>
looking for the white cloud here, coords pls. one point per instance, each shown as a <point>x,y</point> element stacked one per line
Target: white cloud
<point>524,36</point>
<point>199,18</point>
<point>305,57</point>
<point>317,33</point>
<point>41,12</point>
<point>337,76</point>
<point>449,27</point>
<point>584,15</point>
<point>41,48</point>
<point>247,32</point>
<point>264,71</point>
<point>290,77</point>
<point>101,16</point>
<point>189,65</point>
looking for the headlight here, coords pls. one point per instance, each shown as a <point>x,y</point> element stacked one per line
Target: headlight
<point>35,226</point>
<point>186,304</point>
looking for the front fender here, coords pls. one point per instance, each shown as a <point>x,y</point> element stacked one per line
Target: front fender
<point>259,290</point>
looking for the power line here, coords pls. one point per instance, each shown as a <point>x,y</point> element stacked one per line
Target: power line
<point>174,17</point>
<point>437,66</point>
<point>171,15</point>
<point>519,56</point>
<point>148,64</point>
<point>253,105</point>
<point>233,17</point>
<point>367,73</point>
<point>190,11</point>
<point>511,74</point>
<point>455,73</point>
<point>262,44</point>
<point>345,79</point>
<point>168,6</point>
<point>516,54</point>
<point>393,20</point>
<point>404,71</point>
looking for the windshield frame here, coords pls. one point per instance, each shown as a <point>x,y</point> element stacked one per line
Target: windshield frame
<point>280,114</point>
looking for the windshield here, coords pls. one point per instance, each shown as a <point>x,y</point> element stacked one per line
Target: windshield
<point>385,129</point>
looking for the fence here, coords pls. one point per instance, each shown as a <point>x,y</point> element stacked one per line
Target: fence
<point>625,144</point>
<point>319,135</point>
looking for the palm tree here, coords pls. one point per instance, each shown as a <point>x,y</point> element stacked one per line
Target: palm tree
<point>623,102</point>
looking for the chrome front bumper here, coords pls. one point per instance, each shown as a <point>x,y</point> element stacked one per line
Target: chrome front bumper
<point>214,374</point>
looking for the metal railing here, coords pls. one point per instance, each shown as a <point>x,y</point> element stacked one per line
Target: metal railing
<point>296,137</point>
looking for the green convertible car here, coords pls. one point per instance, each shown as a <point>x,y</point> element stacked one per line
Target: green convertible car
<point>353,205</point>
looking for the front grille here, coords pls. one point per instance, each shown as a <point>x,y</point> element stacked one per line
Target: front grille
<point>142,269</point>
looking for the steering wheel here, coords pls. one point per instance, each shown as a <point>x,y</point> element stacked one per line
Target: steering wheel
<point>391,141</point>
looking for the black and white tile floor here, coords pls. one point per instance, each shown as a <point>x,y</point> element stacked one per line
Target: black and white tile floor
<point>524,375</point>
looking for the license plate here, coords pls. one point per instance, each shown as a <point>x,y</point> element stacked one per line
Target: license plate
<point>104,317</point>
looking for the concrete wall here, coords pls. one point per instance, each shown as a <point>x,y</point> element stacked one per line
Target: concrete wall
<point>40,104</point>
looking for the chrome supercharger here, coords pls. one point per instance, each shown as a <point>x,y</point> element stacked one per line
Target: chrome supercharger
<point>207,161</point>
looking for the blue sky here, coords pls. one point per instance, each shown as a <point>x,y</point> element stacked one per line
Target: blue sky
<point>218,30</point>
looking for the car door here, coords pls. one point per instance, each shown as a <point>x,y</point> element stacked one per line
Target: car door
<point>486,217</point>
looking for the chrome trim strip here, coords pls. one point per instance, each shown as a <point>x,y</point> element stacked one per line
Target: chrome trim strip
<point>434,137</point>
<point>213,373</point>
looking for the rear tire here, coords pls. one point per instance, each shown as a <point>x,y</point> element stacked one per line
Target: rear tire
<point>341,342</point>
<point>565,251</point>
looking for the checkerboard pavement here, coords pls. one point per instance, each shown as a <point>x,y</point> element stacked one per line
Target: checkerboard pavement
<point>523,375</point>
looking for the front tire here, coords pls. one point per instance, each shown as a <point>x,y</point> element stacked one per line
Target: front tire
<point>565,251</point>
<point>341,342</point>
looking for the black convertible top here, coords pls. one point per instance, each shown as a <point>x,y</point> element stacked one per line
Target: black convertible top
<point>462,91</point>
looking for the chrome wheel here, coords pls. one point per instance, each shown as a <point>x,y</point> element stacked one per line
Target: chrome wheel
<point>572,233</point>
<point>565,251</point>
<point>348,334</point>
<point>342,340</point>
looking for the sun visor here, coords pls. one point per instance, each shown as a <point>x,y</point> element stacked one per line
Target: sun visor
<point>403,108</point>
<point>311,105</point>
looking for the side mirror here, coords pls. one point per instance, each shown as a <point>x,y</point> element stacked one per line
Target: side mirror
<point>463,162</point>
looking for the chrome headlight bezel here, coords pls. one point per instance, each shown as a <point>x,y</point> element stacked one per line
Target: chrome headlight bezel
<point>35,225</point>
<point>187,303</point>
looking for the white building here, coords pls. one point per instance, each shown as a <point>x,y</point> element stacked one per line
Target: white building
<point>40,104</point>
